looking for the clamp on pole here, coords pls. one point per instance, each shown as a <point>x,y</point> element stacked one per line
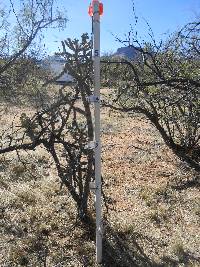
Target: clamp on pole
<point>92,145</point>
<point>93,99</point>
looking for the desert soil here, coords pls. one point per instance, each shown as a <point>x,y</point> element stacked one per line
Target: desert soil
<point>151,215</point>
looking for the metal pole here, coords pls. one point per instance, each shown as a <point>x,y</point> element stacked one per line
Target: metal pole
<point>96,58</point>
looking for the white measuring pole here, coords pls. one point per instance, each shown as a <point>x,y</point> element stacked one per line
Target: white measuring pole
<point>96,59</point>
<point>96,28</point>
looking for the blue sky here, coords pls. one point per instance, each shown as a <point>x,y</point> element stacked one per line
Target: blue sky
<point>164,16</point>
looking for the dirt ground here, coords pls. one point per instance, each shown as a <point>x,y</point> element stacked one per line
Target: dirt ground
<point>151,216</point>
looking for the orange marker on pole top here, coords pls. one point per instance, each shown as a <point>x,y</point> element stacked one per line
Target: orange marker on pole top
<point>91,8</point>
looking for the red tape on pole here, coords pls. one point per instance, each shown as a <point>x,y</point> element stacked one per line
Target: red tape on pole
<point>90,9</point>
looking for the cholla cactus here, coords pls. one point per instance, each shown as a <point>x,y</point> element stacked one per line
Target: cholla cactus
<point>65,127</point>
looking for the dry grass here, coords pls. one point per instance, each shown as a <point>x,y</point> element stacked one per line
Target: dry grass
<point>140,179</point>
<point>150,222</point>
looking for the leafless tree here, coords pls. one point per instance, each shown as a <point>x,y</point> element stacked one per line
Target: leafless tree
<point>19,42</point>
<point>163,83</point>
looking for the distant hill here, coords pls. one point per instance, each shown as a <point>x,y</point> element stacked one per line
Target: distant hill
<point>129,52</point>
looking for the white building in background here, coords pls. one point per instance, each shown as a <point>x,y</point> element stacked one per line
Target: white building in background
<point>55,64</point>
